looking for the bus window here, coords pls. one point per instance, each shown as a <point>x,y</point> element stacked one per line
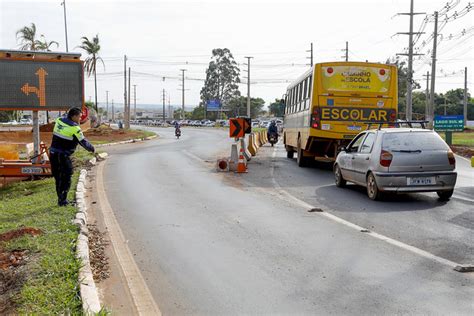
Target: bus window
<point>306,89</point>
<point>310,86</point>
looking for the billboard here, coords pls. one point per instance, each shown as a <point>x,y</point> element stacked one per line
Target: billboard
<point>213,105</point>
<point>40,84</point>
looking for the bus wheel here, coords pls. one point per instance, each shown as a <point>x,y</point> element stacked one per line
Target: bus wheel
<point>300,159</point>
<point>289,152</point>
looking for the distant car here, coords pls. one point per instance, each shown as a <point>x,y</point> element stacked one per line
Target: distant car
<point>265,124</point>
<point>255,124</point>
<point>398,160</point>
<point>26,122</point>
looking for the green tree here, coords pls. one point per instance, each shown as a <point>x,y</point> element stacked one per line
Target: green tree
<point>198,113</point>
<point>92,48</point>
<point>222,78</point>
<point>277,108</point>
<point>44,45</point>
<point>27,37</point>
<point>238,106</point>
<point>402,83</point>
<point>177,114</point>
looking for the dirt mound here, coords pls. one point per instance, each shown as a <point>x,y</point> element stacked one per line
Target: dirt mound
<point>13,268</point>
<point>12,234</point>
<point>464,151</point>
<point>47,127</point>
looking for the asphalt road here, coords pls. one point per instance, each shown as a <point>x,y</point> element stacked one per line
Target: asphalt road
<point>216,243</point>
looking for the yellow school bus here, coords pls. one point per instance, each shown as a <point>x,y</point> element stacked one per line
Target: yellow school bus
<point>332,102</point>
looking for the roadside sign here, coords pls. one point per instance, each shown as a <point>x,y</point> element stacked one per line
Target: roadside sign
<point>449,123</point>
<point>40,85</point>
<point>213,105</point>
<point>247,125</point>
<point>236,127</point>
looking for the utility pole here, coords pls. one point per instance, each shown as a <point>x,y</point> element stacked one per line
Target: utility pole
<point>409,106</point>
<point>125,88</point>
<point>164,97</point>
<point>113,111</point>
<point>248,85</point>
<point>107,104</point>
<point>65,24</point>
<point>433,67</point>
<point>346,55</point>
<point>465,96</point>
<point>427,106</point>
<point>311,55</point>
<point>182,93</point>
<point>127,123</point>
<point>171,116</point>
<point>134,101</point>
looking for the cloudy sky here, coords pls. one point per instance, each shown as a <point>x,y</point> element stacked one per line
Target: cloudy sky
<point>162,37</point>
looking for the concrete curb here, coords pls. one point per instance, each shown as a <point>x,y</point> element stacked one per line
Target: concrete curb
<point>127,141</point>
<point>87,288</point>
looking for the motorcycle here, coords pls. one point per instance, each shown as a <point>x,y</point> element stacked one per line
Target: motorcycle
<point>177,133</point>
<point>273,138</point>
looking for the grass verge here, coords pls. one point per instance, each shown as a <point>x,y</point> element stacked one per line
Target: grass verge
<point>461,138</point>
<point>51,283</point>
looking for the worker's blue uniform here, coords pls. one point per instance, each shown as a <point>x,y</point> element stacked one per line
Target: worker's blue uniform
<point>66,135</point>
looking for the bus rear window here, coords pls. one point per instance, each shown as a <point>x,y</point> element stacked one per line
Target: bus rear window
<point>356,79</point>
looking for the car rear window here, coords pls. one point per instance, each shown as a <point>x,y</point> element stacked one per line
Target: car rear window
<point>413,141</point>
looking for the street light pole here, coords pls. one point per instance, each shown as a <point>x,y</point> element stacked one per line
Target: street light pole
<point>65,24</point>
<point>248,86</point>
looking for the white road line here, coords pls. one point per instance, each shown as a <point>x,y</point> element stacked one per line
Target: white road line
<point>141,296</point>
<point>337,219</point>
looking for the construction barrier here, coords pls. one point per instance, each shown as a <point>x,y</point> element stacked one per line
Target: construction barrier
<point>264,137</point>
<point>251,147</point>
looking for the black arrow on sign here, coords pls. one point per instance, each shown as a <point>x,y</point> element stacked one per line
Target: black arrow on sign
<point>237,129</point>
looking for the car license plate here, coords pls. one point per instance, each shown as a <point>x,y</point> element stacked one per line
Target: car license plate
<point>421,180</point>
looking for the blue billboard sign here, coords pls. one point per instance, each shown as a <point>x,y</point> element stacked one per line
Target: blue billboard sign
<point>213,105</point>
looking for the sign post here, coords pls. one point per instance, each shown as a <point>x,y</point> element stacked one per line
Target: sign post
<point>449,124</point>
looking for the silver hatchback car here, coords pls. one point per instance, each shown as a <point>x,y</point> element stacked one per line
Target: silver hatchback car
<point>398,160</point>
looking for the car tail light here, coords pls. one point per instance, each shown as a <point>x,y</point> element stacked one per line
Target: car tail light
<point>315,118</point>
<point>452,160</point>
<point>386,158</point>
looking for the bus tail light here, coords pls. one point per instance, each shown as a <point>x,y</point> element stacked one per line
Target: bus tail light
<point>452,160</point>
<point>315,119</point>
<point>385,158</point>
<point>382,72</point>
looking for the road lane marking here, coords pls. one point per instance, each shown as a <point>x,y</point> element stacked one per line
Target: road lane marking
<point>141,295</point>
<point>337,219</point>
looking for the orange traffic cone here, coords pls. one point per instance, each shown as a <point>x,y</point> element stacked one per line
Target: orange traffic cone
<point>241,166</point>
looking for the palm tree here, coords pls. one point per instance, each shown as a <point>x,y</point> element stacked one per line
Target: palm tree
<point>44,45</point>
<point>27,35</point>
<point>92,48</point>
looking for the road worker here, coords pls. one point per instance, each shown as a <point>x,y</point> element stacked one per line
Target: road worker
<point>66,135</point>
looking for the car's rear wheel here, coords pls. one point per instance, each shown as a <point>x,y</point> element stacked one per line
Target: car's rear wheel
<point>340,181</point>
<point>372,189</point>
<point>445,195</point>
